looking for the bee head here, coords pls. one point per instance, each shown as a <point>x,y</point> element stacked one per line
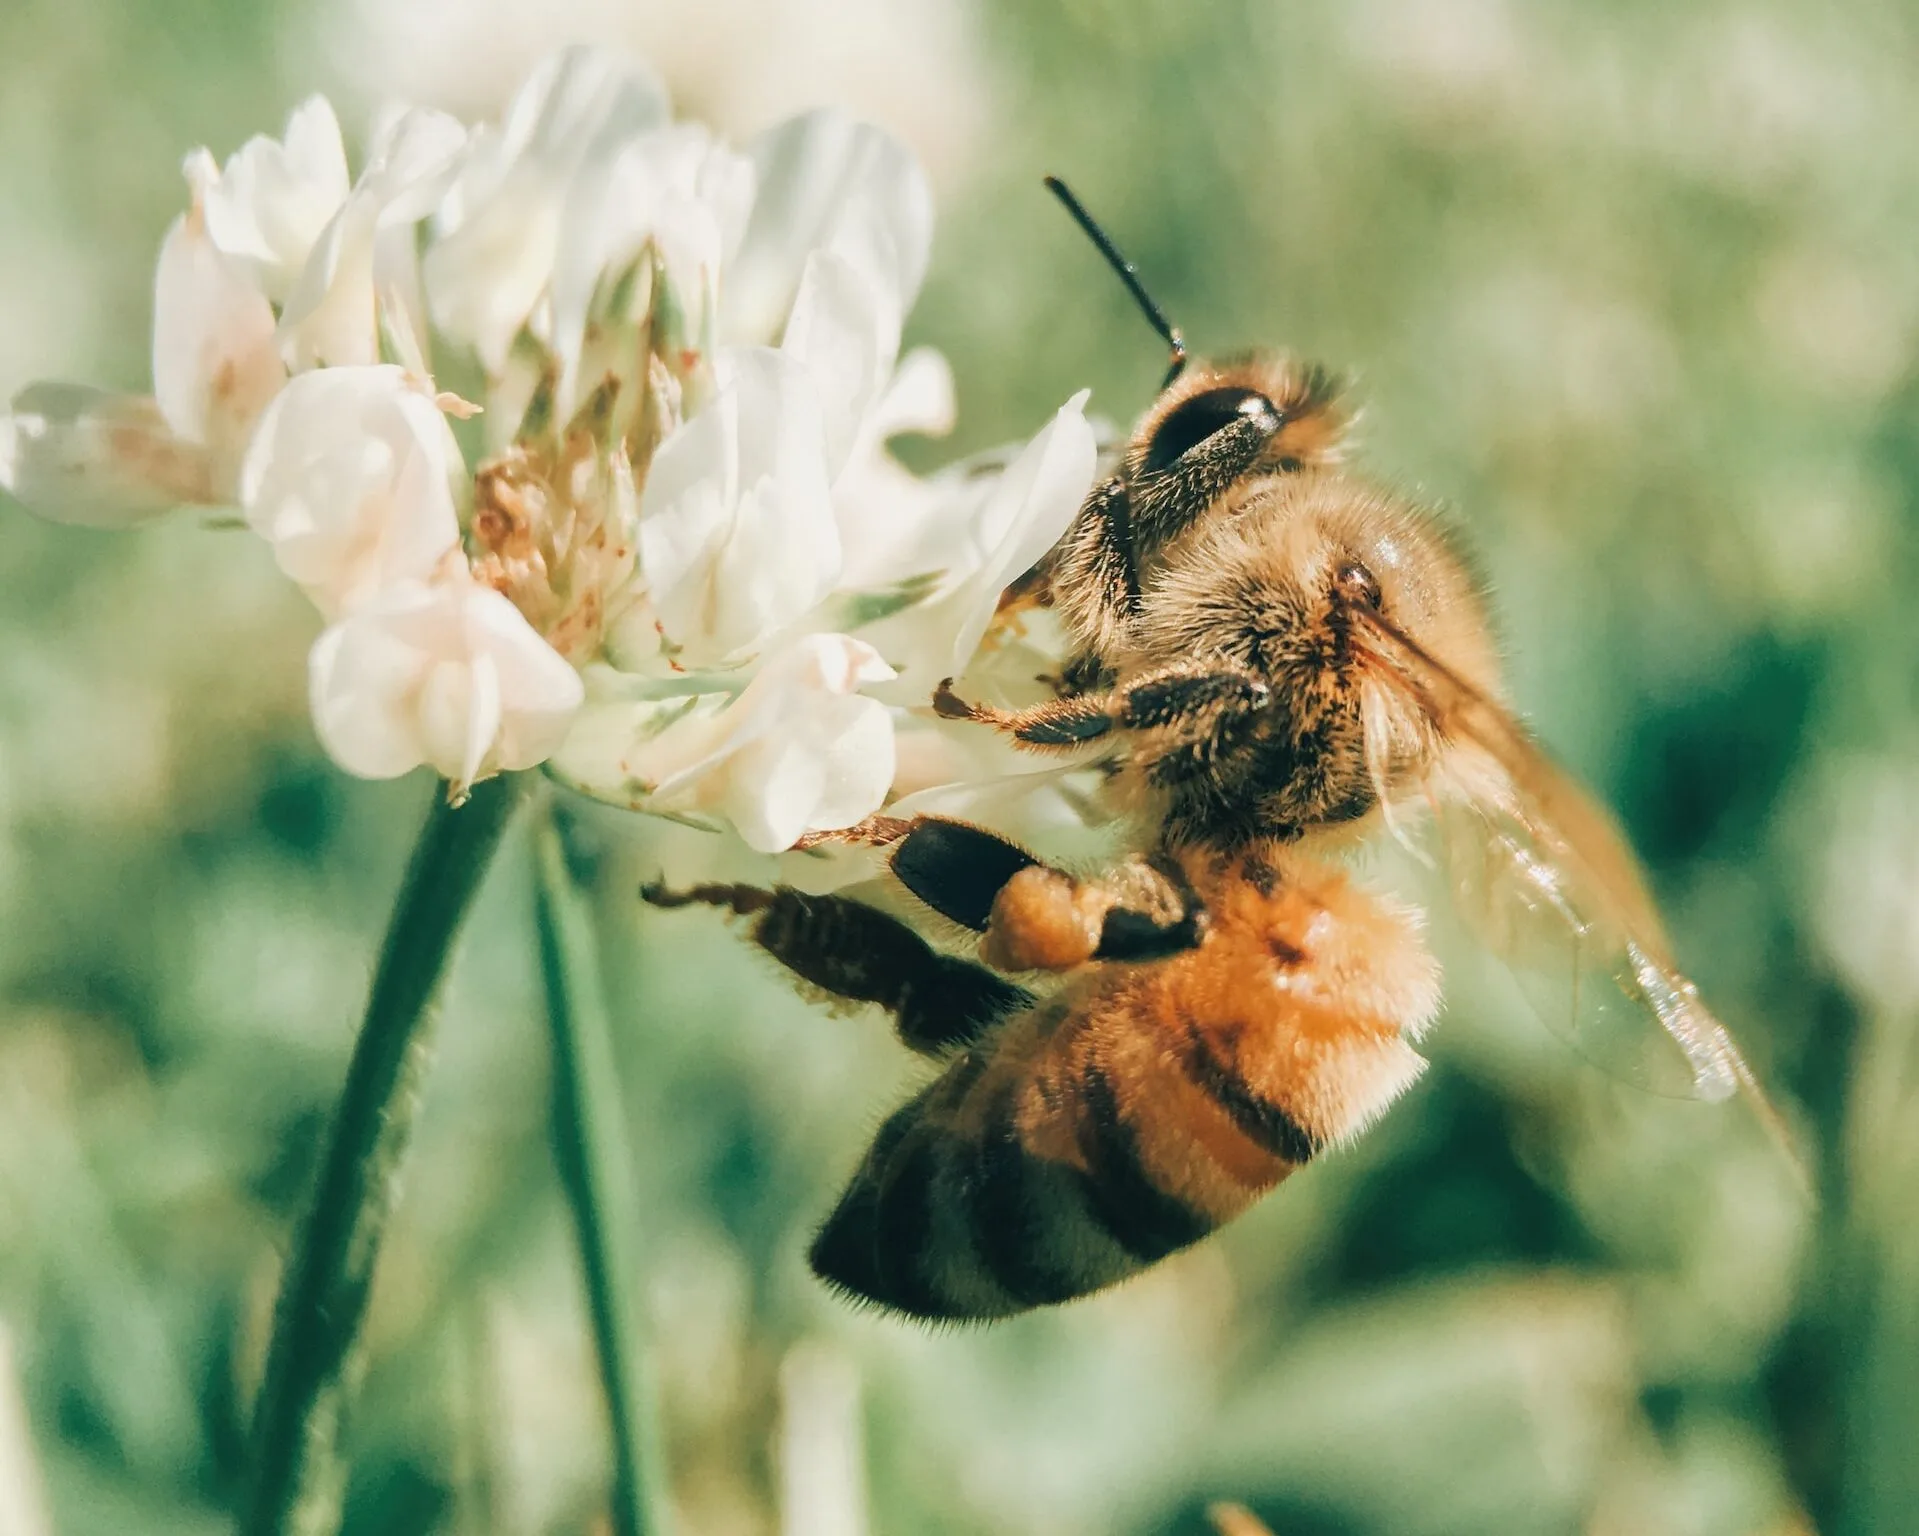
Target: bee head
<point>1296,409</point>
<point>1219,428</point>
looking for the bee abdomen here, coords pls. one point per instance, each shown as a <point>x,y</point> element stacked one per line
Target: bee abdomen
<point>1000,1189</point>
<point>952,1217</point>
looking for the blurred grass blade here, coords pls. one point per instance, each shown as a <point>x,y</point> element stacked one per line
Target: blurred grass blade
<point>298,1479</point>
<point>594,1154</point>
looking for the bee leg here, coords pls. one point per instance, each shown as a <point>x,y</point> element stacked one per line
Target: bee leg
<point>1035,917</point>
<point>956,868</point>
<point>1068,722</point>
<point>1045,919</point>
<point>876,831</point>
<point>1190,701</point>
<point>859,953</point>
<point>1094,578</point>
<point>953,866</point>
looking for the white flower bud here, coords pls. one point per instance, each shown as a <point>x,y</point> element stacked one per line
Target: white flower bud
<point>448,674</point>
<point>270,201</point>
<point>349,479</point>
<point>332,313</point>
<point>500,225</point>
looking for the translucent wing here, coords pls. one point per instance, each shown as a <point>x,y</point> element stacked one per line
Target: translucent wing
<point>1545,874</point>
<point>1638,1019</point>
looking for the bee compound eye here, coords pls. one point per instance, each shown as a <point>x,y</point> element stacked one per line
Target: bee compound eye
<point>1192,421</point>
<point>1356,584</point>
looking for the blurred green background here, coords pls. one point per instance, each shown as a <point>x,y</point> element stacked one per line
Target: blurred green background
<point>1630,287</point>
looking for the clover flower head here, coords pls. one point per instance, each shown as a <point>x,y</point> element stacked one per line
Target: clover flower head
<point>672,558</point>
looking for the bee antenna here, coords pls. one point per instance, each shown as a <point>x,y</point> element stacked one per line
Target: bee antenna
<point>1128,274</point>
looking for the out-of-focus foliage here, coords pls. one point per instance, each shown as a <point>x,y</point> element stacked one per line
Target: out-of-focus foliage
<point>1629,287</point>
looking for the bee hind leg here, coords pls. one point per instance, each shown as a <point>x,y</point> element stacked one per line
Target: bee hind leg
<point>853,951</point>
<point>956,868</point>
<point>1045,919</point>
<point>1036,917</point>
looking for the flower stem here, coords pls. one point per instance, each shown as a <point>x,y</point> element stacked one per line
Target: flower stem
<point>312,1362</point>
<point>594,1155</point>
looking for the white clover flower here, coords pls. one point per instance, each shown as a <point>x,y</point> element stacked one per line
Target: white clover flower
<point>350,479</point>
<point>685,571</point>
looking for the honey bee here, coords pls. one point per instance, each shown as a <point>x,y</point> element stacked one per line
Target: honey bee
<point>1272,659</point>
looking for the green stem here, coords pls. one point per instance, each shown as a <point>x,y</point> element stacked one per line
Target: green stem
<point>594,1154</point>
<point>312,1362</point>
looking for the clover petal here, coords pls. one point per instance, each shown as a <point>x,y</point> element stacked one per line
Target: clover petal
<point>447,674</point>
<point>349,479</point>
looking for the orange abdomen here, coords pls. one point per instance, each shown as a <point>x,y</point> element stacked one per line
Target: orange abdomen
<point>1138,1109</point>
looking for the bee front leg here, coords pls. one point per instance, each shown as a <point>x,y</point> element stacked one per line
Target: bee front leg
<point>1094,579</point>
<point>856,952</point>
<point>1189,702</point>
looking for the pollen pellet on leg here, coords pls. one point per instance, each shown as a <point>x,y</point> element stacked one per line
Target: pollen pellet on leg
<point>1044,921</point>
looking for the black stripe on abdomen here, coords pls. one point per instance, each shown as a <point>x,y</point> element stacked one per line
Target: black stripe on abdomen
<point>1258,1118</point>
<point>1006,1214</point>
<point>1140,1216</point>
<point>877,1243</point>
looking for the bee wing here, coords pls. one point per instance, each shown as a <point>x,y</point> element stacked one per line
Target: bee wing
<point>1632,1015</point>
<point>1545,874</point>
